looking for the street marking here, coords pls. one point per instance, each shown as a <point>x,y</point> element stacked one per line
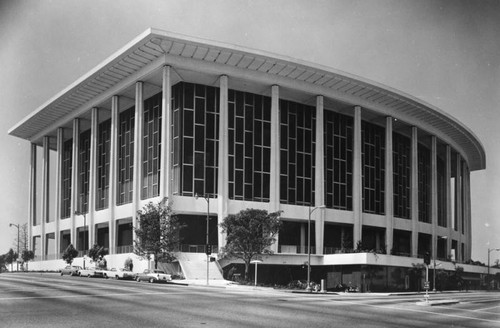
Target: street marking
<point>77,296</point>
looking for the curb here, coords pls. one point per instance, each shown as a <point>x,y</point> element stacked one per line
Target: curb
<point>437,303</point>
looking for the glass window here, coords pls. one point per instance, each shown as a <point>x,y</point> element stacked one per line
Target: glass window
<point>151,138</point>
<point>103,166</point>
<point>125,156</point>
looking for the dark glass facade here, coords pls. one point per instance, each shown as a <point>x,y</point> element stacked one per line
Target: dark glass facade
<point>125,156</point>
<point>338,139</point>
<point>84,172</point>
<point>249,140</point>
<point>401,157</point>
<point>103,158</point>
<point>151,150</point>
<point>297,151</point>
<point>441,192</point>
<point>195,138</point>
<point>373,164</point>
<point>424,184</point>
<point>66,171</point>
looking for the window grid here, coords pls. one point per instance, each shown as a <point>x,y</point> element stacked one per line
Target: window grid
<point>196,139</point>
<point>103,166</point>
<point>338,137</point>
<point>84,172</point>
<point>424,184</point>
<point>441,192</point>
<point>151,147</point>
<point>297,153</point>
<point>401,155</point>
<point>249,146</point>
<point>126,157</point>
<point>66,171</point>
<point>373,159</point>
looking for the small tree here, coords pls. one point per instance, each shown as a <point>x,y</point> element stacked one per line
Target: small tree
<point>69,254</point>
<point>96,253</point>
<point>157,232</point>
<point>129,264</point>
<point>249,234</point>
<point>10,258</point>
<point>2,263</point>
<point>27,256</point>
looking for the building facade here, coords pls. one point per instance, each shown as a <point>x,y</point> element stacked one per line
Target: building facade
<point>170,116</point>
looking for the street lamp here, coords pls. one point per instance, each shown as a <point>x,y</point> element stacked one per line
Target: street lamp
<point>17,226</point>
<point>84,233</point>
<point>308,288</point>
<point>256,262</point>
<point>434,271</point>
<point>489,251</point>
<point>208,249</point>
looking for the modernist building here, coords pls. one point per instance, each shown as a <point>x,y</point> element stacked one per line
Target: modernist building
<point>174,116</point>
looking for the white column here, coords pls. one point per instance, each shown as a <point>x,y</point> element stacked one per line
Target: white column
<point>92,174</point>
<point>166,135</point>
<point>138,127</point>
<point>319,178</point>
<point>468,215</point>
<point>45,193</point>
<point>32,196</point>
<point>74,179</point>
<point>434,195</point>
<point>357,183</point>
<point>389,188</point>
<point>414,191</point>
<point>274,195</point>
<point>113,152</point>
<point>458,205</point>
<point>60,140</point>
<point>449,223</point>
<point>223,169</point>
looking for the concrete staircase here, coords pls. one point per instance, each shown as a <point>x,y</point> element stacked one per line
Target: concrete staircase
<point>194,267</point>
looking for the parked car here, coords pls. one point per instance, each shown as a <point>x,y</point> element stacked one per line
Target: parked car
<point>153,276</point>
<point>72,270</point>
<point>119,273</point>
<point>91,272</point>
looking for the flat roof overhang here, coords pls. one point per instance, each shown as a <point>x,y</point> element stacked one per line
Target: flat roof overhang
<point>247,69</point>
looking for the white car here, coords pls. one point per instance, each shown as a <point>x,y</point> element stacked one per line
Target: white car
<point>153,276</point>
<point>119,273</point>
<point>91,272</point>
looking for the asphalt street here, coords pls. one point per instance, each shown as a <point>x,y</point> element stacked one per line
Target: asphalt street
<point>49,300</point>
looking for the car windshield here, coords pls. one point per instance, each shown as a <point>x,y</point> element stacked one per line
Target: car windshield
<point>158,271</point>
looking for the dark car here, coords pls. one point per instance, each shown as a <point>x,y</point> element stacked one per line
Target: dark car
<point>72,270</point>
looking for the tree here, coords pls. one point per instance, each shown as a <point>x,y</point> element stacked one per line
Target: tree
<point>10,258</point>
<point>249,234</point>
<point>2,263</point>
<point>157,232</point>
<point>27,256</point>
<point>96,253</point>
<point>69,254</point>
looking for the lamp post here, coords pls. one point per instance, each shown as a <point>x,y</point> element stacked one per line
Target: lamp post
<point>84,232</point>
<point>489,251</point>
<point>434,271</point>
<point>17,226</point>
<point>208,250</point>
<point>308,288</point>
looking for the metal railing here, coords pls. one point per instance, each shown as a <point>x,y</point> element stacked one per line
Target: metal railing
<point>186,248</point>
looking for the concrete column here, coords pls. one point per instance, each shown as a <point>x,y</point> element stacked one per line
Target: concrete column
<point>92,174</point>
<point>357,183</point>
<point>58,189</point>
<point>434,195</point>
<point>449,223</point>
<point>166,135</point>
<point>389,188</point>
<point>74,179</point>
<point>138,128</point>
<point>319,178</point>
<point>303,241</point>
<point>32,196</point>
<point>274,195</point>
<point>468,215</point>
<point>223,169</point>
<point>45,193</point>
<point>113,153</point>
<point>414,191</point>
<point>458,205</point>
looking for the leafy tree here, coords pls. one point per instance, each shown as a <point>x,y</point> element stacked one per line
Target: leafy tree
<point>2,263</point>
<point>96,253</point>
<point>157,232</point>
<point>27,256</point>
<point>10,258</point>
<point>69,254</point>
<point>129,264</point>
<point>249,234</point>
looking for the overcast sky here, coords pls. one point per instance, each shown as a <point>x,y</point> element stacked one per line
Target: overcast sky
<point>446,53</point>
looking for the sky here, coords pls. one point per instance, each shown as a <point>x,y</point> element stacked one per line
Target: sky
<point>444,52</point>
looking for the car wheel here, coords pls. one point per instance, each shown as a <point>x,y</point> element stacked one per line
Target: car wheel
<point>151,280</point>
